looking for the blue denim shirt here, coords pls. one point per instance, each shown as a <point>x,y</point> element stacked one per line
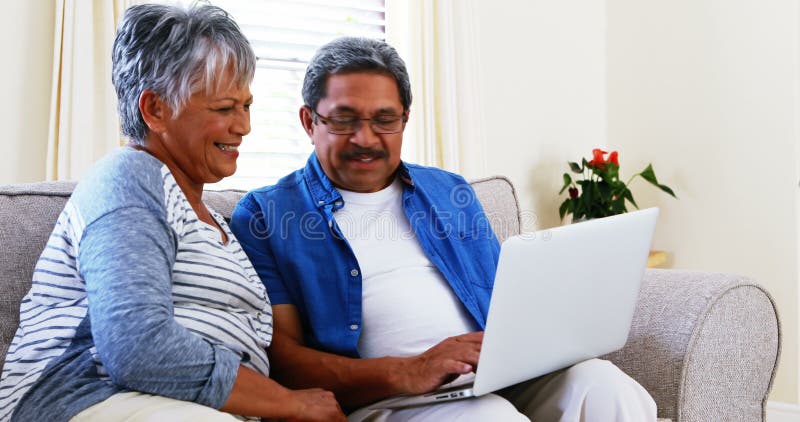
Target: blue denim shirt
<point>289,233</point>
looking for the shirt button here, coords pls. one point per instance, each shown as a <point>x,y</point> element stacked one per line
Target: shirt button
<point>354,272</point>
<point>354,327</point>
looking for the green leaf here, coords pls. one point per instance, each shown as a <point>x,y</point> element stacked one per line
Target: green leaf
<point>629,196</point>
<point>650,175</point>
<point>613,171</point>
<point>587,193</point>
<point>604,190</point>
<point>576,168</point>
<point>564,208</point>
<point>618,205</point>
<point>666,189</point>
<point>591,208</point>
<point>567,182</point>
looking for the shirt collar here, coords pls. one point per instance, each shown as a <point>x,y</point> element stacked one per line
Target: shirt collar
<point>322,190</point>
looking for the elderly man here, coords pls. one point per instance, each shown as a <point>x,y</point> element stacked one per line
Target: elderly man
<point>380,273</point>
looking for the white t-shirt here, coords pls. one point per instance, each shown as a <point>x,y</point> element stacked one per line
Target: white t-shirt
<point>407,306</point>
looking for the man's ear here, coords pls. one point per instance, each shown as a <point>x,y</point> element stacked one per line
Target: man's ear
<point>307,120</point>
<point>154,110</point>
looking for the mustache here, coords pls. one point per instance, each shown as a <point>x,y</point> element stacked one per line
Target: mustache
<point>361,152</point>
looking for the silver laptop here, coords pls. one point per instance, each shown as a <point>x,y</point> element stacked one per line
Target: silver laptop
<point>560,296</point>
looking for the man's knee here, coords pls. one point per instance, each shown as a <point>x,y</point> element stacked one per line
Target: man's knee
<point>604,388</point>
<point>594,390</point>
<point>594,369</point>
<point>601,376</point>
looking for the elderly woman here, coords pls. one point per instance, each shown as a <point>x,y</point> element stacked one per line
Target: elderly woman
<point>143,305</point>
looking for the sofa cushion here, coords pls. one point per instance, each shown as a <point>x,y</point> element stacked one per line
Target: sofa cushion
<point>223,201</point>
<point>28,213</point>
<point>499,201</point>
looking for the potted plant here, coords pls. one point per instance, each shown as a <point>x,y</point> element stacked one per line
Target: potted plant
<point>599,192</point>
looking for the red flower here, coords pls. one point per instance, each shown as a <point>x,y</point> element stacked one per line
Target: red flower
<point>573,192</point>
<point>598,191</point>
<point>614,158</point>
<point>598,158</point>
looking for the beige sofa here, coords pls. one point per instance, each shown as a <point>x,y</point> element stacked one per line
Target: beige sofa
<point>705,345</point>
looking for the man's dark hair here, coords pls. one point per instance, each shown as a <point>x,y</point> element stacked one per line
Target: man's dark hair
<point>354,55</point>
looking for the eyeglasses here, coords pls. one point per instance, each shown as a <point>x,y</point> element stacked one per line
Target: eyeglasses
<point>382,123</point>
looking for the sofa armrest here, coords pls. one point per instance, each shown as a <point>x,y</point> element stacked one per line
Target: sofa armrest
<point>705,345</point>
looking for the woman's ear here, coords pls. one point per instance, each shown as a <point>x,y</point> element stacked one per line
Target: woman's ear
<point>154,111</point>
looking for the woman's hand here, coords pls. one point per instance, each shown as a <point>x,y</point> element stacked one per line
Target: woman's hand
<point>316,404</point>
<point>254,394</point>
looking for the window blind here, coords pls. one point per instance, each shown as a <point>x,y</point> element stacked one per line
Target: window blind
<point>285,34</point>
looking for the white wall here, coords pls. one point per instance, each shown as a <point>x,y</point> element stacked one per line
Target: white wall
<point>707,91</point>
<point>543,92</point>
<point>26,37</point>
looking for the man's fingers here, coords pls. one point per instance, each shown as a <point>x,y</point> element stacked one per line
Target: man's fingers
<point>476,337</point>
<point>456,348</point>
<point>472,358</point>
<point>453,366</point>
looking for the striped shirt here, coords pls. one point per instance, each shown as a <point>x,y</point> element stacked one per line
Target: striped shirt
<point>134,292</point>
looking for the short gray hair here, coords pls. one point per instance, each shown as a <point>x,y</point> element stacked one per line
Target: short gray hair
<point>174,52</point>
<point>354,55</point>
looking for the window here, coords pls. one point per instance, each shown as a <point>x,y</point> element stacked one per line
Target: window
<point>285,34</point>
